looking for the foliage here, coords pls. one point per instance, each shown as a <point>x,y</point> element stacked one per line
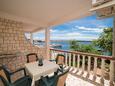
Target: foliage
<point>76,46</point>
<point>105,40</point>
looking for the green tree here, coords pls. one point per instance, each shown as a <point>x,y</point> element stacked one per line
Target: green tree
<point>105,40</point>
<point>88,48</point>
<point>76,46</point>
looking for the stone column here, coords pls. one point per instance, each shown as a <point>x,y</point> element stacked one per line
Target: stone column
<point>31,37</point>
<point>47,42</point>
<point>112,65</point>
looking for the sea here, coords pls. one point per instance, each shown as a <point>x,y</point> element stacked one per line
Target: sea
<point>65,45</point>
<point>61,44</point>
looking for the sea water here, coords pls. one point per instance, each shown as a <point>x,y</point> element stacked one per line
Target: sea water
<point>66,44</point>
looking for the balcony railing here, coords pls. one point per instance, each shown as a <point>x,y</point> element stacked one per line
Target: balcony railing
<point>88,62</point>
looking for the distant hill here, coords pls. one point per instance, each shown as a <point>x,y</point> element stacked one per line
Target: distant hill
<point>60,40</point>
<point>69,40</point>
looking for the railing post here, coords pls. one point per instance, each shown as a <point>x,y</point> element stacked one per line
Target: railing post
<point>54,56</point>
<point>112,71</point>
<point>78,62</point>
<point>66,57</point>
<point>83,63</point>
<point>112,65</point>
<point>69,59</point>
<point>74,60</point>
<point>89,65</point>
<point>95,68</point>
<point>102,71</point>
<point>51,54</point>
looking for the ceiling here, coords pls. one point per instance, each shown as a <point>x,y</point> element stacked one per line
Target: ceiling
<point>37,14</point>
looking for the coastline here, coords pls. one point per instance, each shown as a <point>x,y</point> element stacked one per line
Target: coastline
<point>60,44</point>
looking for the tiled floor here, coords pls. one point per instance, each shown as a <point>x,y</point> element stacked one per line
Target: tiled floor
<point>74,81</point>
<point>75,78</point>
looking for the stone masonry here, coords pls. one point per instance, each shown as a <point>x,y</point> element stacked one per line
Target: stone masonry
<point>13,41</point>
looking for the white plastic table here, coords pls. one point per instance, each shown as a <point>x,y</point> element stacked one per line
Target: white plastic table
<point>36,71</point>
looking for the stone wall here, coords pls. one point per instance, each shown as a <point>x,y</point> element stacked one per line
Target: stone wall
<point>13,41</point>
<point>12,37</point>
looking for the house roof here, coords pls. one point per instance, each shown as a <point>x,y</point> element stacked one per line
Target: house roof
<point>38,14</point>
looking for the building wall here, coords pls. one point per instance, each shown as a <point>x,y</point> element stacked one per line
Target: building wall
<point>12,38</point>
<point>13,41</point>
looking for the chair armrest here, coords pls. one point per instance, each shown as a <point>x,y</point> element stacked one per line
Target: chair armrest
<point>21,69</point>
<point>61,68</point>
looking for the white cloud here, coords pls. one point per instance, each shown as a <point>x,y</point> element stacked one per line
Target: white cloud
<point>89,29</point>
<point>85,38</point>
<point>73,34</point>
<point>53,31</point>
<point>88,37</point>
<point>69,35</point>
<point>39,38</point>
<point>102,26</point>
<point>58,31</point>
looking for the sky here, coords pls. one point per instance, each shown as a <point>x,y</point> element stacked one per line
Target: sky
<point>85,29</point>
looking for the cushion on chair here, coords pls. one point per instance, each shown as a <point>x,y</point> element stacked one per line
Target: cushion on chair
<point>62,80</point>
<point>60,60</point>
<point>62,77</point>
<point>32,58</point>
<point>3,74</point>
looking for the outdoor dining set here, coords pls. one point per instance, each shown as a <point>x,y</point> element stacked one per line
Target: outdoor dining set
<point>37,72</point>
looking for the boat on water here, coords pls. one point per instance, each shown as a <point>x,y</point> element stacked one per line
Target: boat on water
<point>56,45</point>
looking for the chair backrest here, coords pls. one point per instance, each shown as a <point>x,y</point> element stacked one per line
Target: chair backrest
<point>2,73</point>
<point>62,78</point>
<point>4,82</point>
<point>55,79</point>
<point>60,59</point>
<point>7,72</point>
<point>32,57</point>
<point>3,77</point>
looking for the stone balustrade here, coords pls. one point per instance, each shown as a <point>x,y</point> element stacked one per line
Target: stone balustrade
<point>98,65</point>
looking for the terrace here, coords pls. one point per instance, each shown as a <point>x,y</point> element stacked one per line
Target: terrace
<point>19,17</point>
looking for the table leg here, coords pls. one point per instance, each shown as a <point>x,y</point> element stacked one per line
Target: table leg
<point>33,82</point>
